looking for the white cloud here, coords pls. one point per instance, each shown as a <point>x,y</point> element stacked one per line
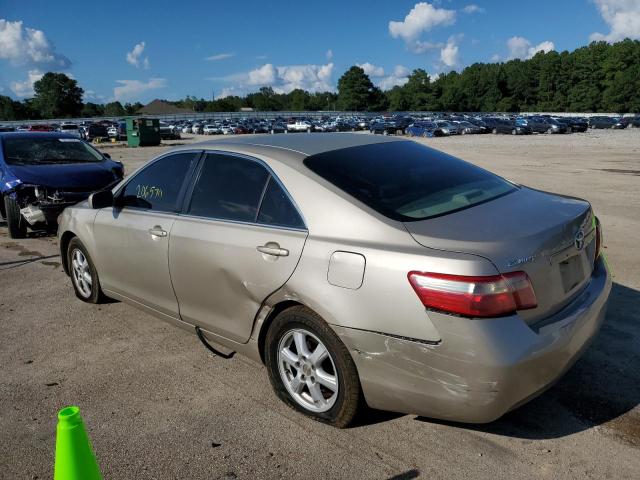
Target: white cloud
<point>329,54</point>
<point>422,47</point>
<point>25,89</point>
<point>227,92</point>
<point>371,70</point>
<point>520,47</point>
<point>220,56</point>
<point>473,8</point>
<point>30,47</point>
<point>623,18</point>
<point>450,53</point>
<point>283,79</point>
<point>134,57</point>
<point>313,78</point>
<point>422,18</point>
<point>265,75</point>
<point>133,89</point>
<point>399,77</point>
<point>92,96</point>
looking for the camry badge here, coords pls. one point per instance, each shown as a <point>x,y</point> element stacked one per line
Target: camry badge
<point>520,261</point>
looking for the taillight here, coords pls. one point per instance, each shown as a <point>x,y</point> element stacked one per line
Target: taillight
<point>598,239</point>
<point>486,296</point>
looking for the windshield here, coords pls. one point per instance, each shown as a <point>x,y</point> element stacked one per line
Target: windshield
<point>407,181</point>
<point>49,150</point>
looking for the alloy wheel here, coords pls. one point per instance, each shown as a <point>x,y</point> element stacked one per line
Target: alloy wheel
<point>81,273</point>
<point>307,370</point>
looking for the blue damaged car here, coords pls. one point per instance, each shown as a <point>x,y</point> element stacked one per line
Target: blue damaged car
<point>43,173</point>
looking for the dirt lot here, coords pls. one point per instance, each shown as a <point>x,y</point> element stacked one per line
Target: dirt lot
<point>160,406</point>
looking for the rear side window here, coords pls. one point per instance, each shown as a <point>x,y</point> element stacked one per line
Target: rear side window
<point>157,187</point>
<point>407,181</point>
<point>276,208</point>
<point>229,188</point>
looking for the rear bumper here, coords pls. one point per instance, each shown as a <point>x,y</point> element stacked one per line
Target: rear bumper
<point>480,369</point>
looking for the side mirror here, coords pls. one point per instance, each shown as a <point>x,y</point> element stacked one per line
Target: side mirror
<point>106,155</point>
<point>101,199</point>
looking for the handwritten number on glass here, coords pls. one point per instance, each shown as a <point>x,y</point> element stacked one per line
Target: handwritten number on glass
<point>149,192</point>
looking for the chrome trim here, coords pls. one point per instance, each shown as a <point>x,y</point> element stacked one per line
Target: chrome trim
<point>240,222</point>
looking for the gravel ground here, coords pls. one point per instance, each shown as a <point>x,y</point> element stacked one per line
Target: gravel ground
<point>158,406</point>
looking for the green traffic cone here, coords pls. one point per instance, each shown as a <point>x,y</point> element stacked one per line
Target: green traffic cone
<point>74,457</point>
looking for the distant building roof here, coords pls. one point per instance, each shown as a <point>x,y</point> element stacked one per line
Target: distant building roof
<point>246,109</point>
<point>160,107</point>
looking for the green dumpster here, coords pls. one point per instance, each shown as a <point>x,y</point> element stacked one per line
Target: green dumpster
<point>143,132</point>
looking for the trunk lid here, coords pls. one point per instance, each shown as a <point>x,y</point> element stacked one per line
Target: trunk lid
<point>550,237</point>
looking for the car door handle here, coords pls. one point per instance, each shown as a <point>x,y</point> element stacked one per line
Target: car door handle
<point>273,249</point>
<point>157,231</point>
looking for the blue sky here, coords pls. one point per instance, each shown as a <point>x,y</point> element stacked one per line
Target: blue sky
<point>153,49</point>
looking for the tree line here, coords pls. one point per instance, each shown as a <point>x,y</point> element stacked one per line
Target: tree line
<point>600,77</point>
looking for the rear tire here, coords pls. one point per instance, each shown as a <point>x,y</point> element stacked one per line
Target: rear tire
<point>84,276</point>
<point>16,224</point>
<point>304,331</point>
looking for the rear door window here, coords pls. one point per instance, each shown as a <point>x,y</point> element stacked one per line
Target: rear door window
<point>276,208</point>
<point>239,189</point>
<point>229,188</point>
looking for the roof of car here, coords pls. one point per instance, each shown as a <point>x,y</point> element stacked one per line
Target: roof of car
<point>304,143</point>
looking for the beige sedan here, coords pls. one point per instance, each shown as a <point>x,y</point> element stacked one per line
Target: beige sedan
<point>359,269</point>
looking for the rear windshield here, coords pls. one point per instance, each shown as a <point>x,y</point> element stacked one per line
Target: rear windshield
<point>407,181</point>
<point>31,150</point>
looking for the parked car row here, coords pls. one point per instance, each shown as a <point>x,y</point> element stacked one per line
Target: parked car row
<point>445,125</point>
<point>435,125</point>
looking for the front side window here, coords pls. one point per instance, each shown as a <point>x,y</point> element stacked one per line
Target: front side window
<point>157,187</point>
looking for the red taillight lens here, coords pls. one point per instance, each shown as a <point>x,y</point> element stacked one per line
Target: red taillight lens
<point>598,239</point>
<point>488,296</point>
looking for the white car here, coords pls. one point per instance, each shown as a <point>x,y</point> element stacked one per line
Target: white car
<point>186,129</point>
<point>196,128</point>
<point>71,129</point>
<point>211,130</point>
<point>227,130</point>
<point>300,126</point>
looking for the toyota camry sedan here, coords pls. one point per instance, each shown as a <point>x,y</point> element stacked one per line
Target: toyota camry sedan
<point>359,269</point>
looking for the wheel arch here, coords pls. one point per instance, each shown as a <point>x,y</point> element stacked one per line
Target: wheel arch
<point>276,310</point>
<point>64,245</point>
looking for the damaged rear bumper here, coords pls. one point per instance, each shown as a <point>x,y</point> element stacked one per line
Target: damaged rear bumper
<point>481,369</point>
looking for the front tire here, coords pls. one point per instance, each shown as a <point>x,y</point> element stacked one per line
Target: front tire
<point>84,276</point>
<point>310,369</point>
<point>16,224</point>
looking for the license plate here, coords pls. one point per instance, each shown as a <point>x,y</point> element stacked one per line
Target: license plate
<point>571,272</point>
